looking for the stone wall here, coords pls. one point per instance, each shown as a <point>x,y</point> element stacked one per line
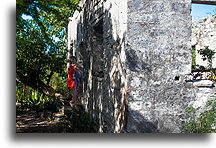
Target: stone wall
<point>158,59</point>
<point>136,58</point>
<point>98,41</point>
<point>203,35</point>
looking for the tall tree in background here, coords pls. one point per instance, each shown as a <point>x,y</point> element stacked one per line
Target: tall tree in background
<point>41,41</point>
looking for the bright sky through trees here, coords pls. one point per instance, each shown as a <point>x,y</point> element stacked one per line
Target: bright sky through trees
<point>26,17</point>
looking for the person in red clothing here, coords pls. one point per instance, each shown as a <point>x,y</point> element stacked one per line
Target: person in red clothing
<point>74,79</point>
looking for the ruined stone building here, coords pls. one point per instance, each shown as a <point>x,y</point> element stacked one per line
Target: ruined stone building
<point>203,35</point>
<point>136,59</point>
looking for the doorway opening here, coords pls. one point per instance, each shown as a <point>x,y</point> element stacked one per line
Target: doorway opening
<point>203,39</point>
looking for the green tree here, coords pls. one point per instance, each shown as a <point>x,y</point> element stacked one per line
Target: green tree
<point>41,41</point>
<point>207,54</point>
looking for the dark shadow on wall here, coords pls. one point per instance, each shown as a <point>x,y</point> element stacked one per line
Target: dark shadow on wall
<point>143,125</point>
<point>99,54</point>
<point>135,63</point>
<point>112,82</point>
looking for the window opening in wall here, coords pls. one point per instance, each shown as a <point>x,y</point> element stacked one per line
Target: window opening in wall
<point>97,69</point>
<point>98,50</point>
<point>203,39</point>
<point>98,30</point>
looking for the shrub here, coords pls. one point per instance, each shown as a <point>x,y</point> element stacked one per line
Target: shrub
<point>30,99</point>
<point>205,123</point>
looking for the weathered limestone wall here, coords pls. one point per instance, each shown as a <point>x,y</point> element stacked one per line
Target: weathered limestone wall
<point>98,41</point>
<point>158,58</point>
<point>136,59</point>
<point>203,35</point>
<point>205,92</point>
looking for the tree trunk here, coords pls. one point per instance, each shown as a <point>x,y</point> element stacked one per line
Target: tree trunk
<point>39,85</point>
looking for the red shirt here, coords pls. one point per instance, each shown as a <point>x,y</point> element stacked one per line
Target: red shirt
<point>71,79</point>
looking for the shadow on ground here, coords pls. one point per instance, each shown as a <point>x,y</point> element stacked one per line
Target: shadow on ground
<point>69,120</point>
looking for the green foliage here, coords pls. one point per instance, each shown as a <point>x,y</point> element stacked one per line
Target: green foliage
<point>59,84</point>
<point>79,121</point>
<point>193,57</point>
<point>207,54</point>
<point>205,123</point>
<point>31,99</point>
<point>41,41</point>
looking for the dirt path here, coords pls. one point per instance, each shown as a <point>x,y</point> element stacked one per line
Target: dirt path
<point>70,120</point>
<point>31,122</point>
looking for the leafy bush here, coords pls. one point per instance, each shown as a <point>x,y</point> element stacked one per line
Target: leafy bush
<point>79,121</point>
<point>207,54</point>
<point>205,123</point>
<point>30,99</point>
<point>59,83</point>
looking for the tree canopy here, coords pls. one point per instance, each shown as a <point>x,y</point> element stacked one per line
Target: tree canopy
<point>41,41</point>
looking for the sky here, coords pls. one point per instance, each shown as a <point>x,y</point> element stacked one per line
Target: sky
<point>200,11</point>
<point>26,17</point>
